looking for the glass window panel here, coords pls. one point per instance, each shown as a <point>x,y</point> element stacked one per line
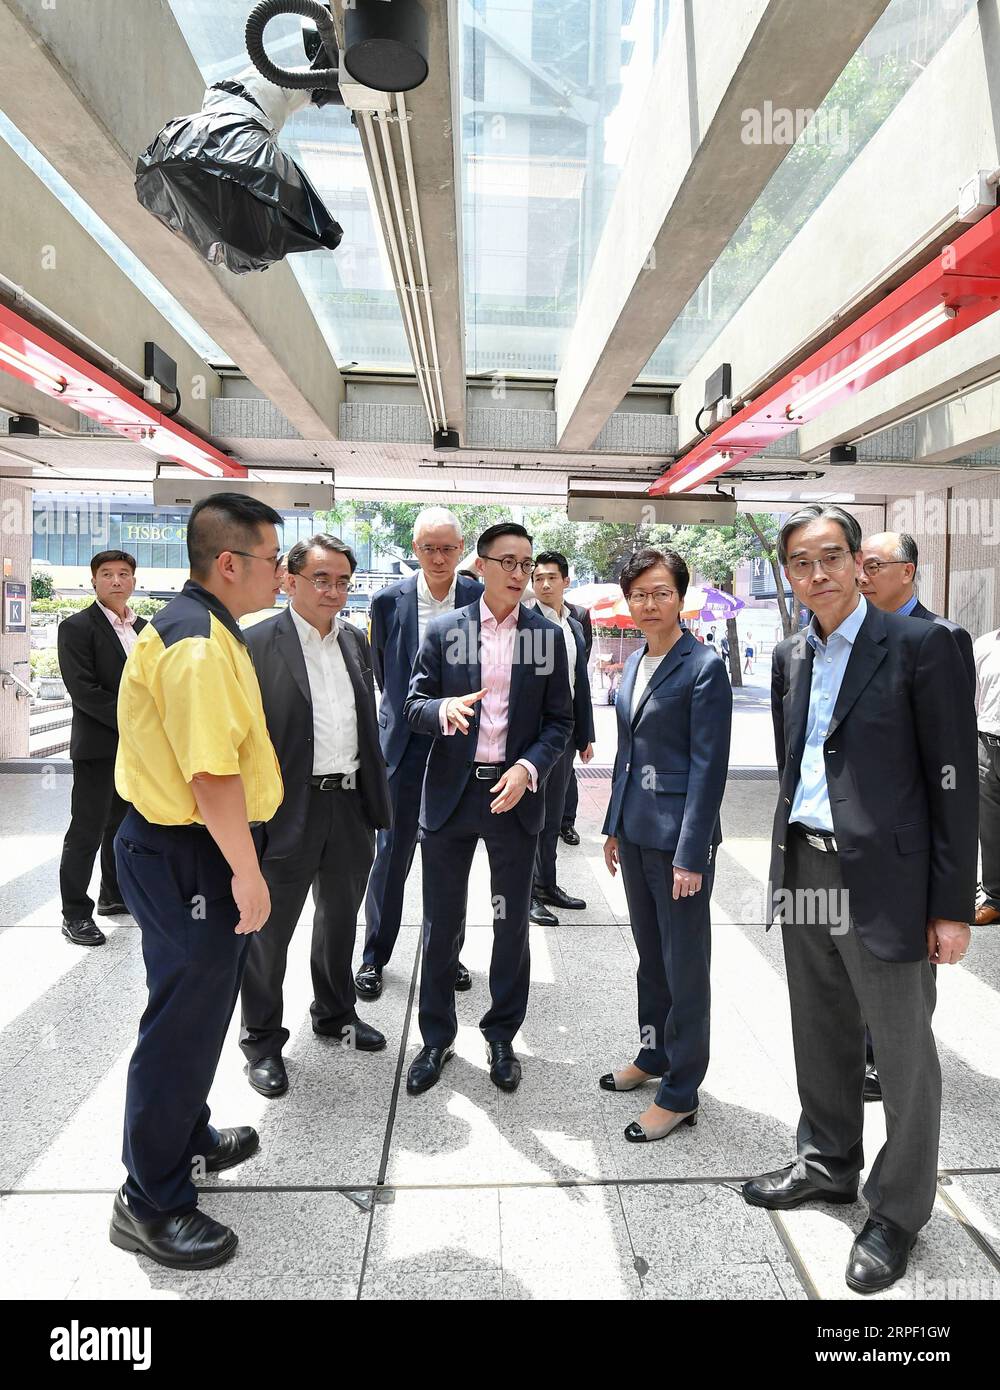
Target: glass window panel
<point>159,560</point>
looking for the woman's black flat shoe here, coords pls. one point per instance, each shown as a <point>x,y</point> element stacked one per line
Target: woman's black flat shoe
<point>607,1082</point>
<point>635,1134</point>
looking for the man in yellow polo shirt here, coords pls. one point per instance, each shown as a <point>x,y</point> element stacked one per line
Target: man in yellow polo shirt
<point>196,763</point>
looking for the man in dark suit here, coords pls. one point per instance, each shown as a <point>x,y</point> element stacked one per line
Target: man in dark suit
<point>491,688</point>
<point>93,646</point>
<point>568,832</point>
<point>550,582</point>
<point>318,691</point>
<point>400,614</point>
<point>888,577</point>
<point>889,569</point>
<point>873,870</point>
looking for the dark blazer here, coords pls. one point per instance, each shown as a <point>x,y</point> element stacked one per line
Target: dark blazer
<point>583,705</point>
<point>540,715</point>
<point>582,615</point>
<point>394,650</point>
<point>91,661</point>
<point>673,755</point>
<point>962,639</point>
<point>284,686</point>
<point>901,768</point>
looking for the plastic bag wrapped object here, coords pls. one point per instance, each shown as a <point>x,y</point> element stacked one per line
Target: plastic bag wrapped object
<point>220,181</point>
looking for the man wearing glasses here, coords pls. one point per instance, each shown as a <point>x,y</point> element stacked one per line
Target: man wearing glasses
<point>491,689</point>
<point>873,870</point>
<point>888,577</point>
<point>400,614</point>
<point>319,698</point>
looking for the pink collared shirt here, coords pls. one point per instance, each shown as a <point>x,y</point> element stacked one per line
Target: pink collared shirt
<point>124,627</point>
<point>497,642</point>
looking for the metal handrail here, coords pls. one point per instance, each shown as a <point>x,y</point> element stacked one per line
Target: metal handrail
<point>23,692</point>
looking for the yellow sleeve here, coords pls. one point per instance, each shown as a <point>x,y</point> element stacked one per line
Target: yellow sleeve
<point>205,714</point>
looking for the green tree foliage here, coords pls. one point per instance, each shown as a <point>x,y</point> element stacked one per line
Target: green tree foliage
<point>42,586</point>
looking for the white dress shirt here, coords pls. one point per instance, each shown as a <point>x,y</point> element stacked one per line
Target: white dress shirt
<point>430,607</point>
<point>335,719</point>
<point>568,637</point>
<point>124,627</point>
<point>986,654</point>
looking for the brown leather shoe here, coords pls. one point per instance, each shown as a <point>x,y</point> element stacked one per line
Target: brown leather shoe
<point>986,915</point>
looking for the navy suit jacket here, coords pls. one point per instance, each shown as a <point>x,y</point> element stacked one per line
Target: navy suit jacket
<point>901,770</point>
<point>394,650</point>
<point>673,755</point>
<point>91,662</point>
<point>583,706</point>
<point>540,715</point>
<point>962,639</point>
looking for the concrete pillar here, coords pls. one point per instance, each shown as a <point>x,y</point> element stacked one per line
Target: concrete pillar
<point>15,556</point>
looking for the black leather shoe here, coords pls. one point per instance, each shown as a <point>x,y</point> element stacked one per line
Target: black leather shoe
<point>191,1241</point>
<point>83,931</point>
<point>878,1256</point>
<point>425,1069</point>
<point>233,1147</point>
<point>781,1191</point>
<point>505,1069</point>
<point>873,1086</point>
<point>556,897</point>
<point>357,1034</point>
<point>368,981</point>
<point>540,915</point>
<point>115,909</point>
<point>463,980</point>
<point>268,1076</point>
<point>568,835</point>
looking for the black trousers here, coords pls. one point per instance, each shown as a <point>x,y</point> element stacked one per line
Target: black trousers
<point>177,885</point>
<point>334,861</point>
<point>572,800</point>
<point>394,850</point>
<point>96,812</point>
<point>554,792</point>
<point>446,857</point>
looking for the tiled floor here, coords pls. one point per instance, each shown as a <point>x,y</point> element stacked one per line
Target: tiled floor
<point>362,1191</point>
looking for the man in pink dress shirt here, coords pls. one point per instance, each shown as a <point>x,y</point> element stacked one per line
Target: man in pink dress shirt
<point>490,686</point>
<point>93,647</point>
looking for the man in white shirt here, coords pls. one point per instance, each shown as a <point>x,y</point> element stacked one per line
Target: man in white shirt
<point>318,692</point>
<point>550,582</point>
<point>986,655</point>
<point>93,647</point>
<point>400,614</point>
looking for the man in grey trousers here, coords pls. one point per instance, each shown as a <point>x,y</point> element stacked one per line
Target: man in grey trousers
<point>873,871</point>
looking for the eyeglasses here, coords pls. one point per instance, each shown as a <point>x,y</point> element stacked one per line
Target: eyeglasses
<point>327,586</point>
<point>831,562</point>
<point>874,567</point>
<point>637,597</point>
<point>446,551</point>
<point>273,560</point>
<point>510,564</point>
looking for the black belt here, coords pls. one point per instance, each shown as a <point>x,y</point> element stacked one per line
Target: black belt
<point>487,772</point>
<point>335,782</point>
<point>818,839</point>
<point>991,740</point>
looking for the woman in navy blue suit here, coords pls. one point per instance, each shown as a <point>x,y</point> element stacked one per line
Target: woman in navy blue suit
<point>674,709</point>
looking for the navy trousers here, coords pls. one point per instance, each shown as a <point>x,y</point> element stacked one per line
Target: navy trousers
<point>394,850</point>
<point>572,800</point>
<point>446,857</point>
<point>177,885</point>
<point>674,940</point>
<point>554,792</point>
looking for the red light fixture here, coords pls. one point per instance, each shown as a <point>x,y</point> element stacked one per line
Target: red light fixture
<point>956,290</point>
<point>32,356</point>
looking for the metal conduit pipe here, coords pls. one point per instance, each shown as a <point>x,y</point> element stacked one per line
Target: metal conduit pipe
<point>411,184</point>
<point>390,234</point>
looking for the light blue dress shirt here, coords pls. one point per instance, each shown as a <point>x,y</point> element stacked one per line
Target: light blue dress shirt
<point>908,606</point>
<point>811,804</point>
